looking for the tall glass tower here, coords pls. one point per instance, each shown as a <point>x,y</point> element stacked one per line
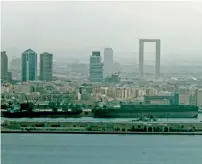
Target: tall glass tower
<point>96,67</point>
<point>4,65</point>
<point>29,65</point>
<point>46,66</point>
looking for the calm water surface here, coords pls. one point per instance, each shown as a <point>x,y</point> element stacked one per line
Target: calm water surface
<point>100,149</point>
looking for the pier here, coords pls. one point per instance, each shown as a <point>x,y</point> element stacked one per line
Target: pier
<point>101,127</point>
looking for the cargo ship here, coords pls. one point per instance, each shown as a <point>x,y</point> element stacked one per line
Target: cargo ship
<point>35,114</point>
<point>133,110</point>
<point>27,110</point>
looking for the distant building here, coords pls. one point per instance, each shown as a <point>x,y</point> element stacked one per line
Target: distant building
<point>114,78</point>
<point>15,64</point>
<point>193,97</point>
<point>37,88</point>
<point>121,93</point>
<point>22,88</point>
<point>182,97</point>
<point>79,68</point>
<point>84,94</point>
<point>29,65</point>
<point>176,99</point>
<point>9,77</point>
<point>199,98</point>
<point>188,97</point>
<point>46,66</point>
<point>117,67</point>
<point>4,65</point>
<point>6,88</point>
<point>108,61</point>
<point>15,67</point>
<point>96,67</point>
<point>158,99</point>
<point>150,91</point>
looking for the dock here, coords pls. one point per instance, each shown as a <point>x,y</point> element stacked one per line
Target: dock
<point>102,127</point>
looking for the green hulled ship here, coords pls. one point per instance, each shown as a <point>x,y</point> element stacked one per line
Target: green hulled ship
<point>133,110</point>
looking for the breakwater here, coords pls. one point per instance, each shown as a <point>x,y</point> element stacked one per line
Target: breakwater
<point>101,127</point>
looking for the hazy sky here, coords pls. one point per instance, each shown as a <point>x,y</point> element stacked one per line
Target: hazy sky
<point>62,27</point>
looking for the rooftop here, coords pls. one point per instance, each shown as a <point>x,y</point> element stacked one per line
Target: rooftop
<point>95,53</point>
<point>29,51</point>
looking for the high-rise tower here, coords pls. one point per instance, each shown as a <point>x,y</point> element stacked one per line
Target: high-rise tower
<point>46,66</point>
<point>29,65</point>
<point>96,67</point>
<point>108,61</point>
<point>4,65</point>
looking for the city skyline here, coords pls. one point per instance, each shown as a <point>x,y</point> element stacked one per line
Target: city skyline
<point>88,32</point>
<point>74,70</point>
<point>131,58</point>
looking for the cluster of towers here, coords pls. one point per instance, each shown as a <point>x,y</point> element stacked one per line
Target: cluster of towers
<point>97,69</point>
<point>29,66</point>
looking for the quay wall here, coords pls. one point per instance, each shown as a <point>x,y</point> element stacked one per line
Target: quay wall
<point>103,126</point>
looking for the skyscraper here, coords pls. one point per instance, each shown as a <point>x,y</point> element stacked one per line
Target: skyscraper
<point>96,67</point>
<point>29,65</point>
<point>4,65</point>
<point>108,61</point>
<point>46,66</point>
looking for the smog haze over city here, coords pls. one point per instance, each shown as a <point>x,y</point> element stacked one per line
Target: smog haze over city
<point>71,30</point>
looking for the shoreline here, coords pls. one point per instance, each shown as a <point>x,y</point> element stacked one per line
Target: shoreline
<point>57,127</point>
<point>99,132</point>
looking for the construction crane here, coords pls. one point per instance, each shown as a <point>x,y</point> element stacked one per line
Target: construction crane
<point>28,106</point>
